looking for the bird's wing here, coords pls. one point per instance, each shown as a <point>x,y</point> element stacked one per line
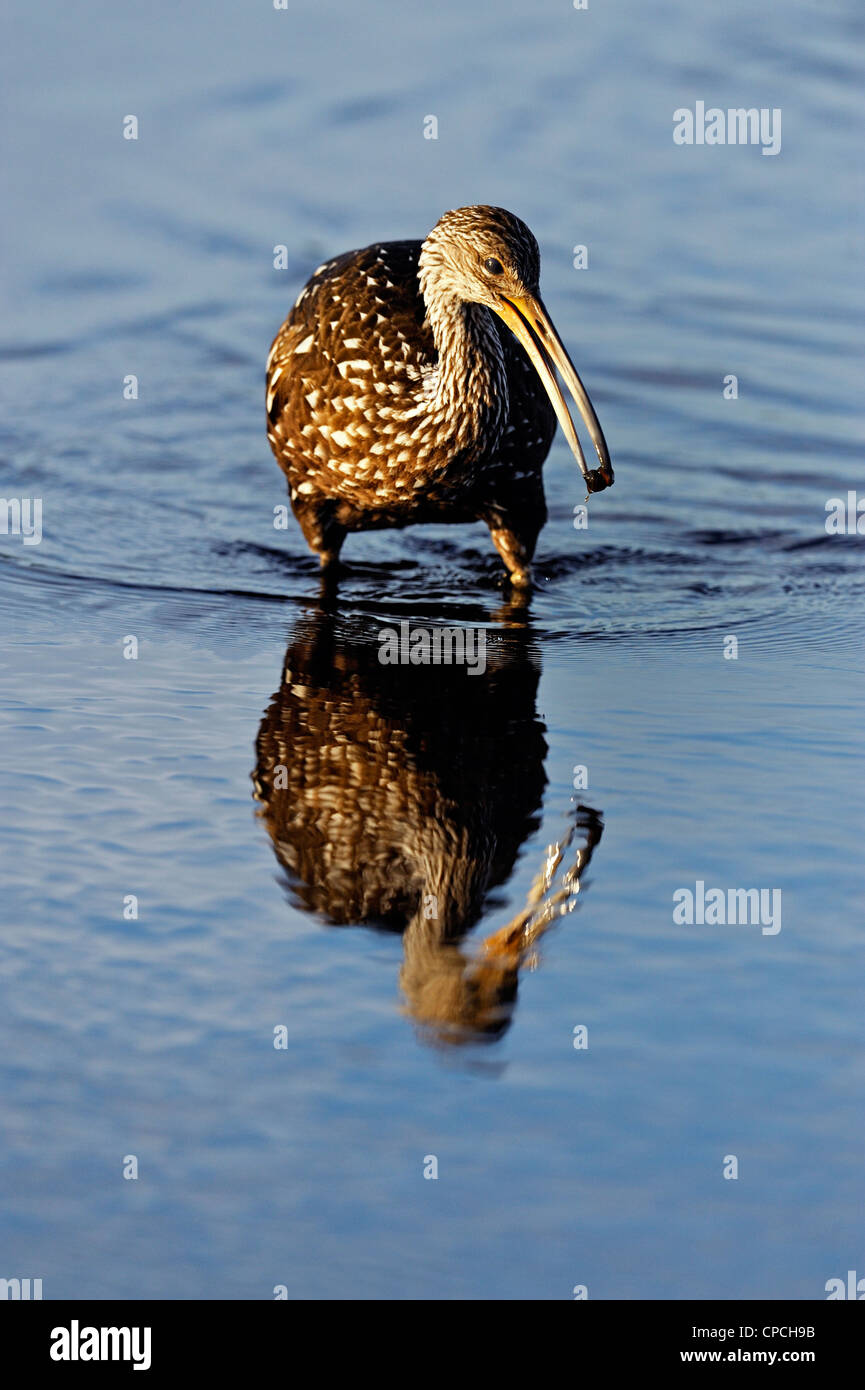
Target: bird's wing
<point>356,308</point>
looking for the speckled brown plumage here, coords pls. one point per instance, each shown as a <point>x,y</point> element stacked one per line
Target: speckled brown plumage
<point>397,395</point>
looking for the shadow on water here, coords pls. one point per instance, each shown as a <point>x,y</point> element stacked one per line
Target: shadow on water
<point>398,797</point>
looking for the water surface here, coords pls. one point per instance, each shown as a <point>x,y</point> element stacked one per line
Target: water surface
<point>303,1166</point>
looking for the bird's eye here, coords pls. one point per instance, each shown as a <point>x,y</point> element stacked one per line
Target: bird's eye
<point>493,266</point>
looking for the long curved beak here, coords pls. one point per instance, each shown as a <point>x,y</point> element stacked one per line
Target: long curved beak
<point>529,321</point>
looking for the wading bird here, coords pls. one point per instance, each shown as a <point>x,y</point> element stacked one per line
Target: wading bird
<point>416,382</point>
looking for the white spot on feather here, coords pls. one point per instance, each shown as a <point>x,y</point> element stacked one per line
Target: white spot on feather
<point>271,391</point>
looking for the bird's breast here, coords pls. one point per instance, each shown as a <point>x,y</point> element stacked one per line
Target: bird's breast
<point>361,402</point>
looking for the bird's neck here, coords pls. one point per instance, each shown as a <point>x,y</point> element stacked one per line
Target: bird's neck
<point>470,382</point>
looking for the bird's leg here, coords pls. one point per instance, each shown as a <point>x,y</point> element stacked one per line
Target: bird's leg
<point>516,552</point>
<point>328,559</point>
<point>515,512</point>
<point>323,533</point>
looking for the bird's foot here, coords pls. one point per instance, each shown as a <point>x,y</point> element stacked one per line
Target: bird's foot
<point>516,550</point>
<point>521,578</point>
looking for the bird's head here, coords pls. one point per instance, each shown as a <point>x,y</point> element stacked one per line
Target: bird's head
<point>486,255</point>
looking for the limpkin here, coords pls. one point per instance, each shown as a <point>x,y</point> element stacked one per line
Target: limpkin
<point>415,381</point>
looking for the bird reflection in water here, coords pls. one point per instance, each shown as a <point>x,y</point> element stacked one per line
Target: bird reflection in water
<point>399,797</point>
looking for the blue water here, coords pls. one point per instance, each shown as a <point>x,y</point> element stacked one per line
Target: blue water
<point>303,1166</point>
